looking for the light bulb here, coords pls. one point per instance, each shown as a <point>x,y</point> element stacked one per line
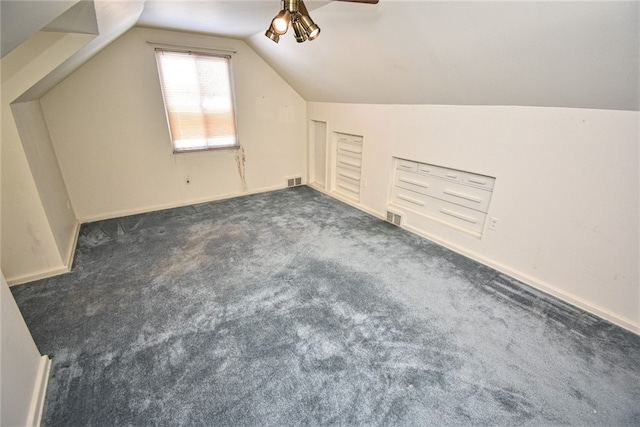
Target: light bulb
<point>280,23</point>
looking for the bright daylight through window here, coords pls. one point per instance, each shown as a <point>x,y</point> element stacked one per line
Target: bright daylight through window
<point>199,99</point>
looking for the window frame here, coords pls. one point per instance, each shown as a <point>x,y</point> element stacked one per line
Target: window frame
<point>219,53</point>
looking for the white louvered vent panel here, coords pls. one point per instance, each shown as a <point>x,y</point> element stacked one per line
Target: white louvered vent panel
<point>397,219</point>
<point>348,167</point>
<point>394,218</point>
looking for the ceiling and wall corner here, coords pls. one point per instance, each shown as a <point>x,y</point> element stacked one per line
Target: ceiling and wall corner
<point>113,18</point>
<point>19,20</point>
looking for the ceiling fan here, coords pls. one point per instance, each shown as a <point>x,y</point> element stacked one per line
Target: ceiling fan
<point>294,13</point>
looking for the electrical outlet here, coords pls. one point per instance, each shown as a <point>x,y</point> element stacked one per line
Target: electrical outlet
<point>493,223</point>
<point>187,180</point>
<point>364,183</point>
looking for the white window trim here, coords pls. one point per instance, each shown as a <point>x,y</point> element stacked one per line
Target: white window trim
<point>204,51</point>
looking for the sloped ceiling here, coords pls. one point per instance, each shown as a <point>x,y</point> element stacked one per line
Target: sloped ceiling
<point>106,19</point>
<point>20,19</point>
<point>537,53</point>
<point>560,54</point>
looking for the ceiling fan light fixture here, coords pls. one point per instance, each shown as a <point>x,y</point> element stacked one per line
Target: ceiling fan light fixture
<point>294,13</point>
<point>272,35</point>
<point>298,29</point>
<point>280,23</point>
<point>314,33</point>
<point>310,28</point>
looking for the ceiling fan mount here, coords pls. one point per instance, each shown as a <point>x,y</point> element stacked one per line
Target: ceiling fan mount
<point>295,14</point>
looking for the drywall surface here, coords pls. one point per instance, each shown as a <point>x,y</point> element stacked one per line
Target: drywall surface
<point>566,195</point>
<point>29,247</point>
<point>20,366</point>
<point>108,126</point>
<point>46,174</point>
<point>538,53</point>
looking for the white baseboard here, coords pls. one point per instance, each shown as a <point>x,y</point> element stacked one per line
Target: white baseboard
<point>68,261</point>
<point>587,306</point>
<point>39,392</point>
<point>146,209</point>
<point>345,200</point>
<point>42,274</point>
<point>535,283</point>
<point>531,281</point>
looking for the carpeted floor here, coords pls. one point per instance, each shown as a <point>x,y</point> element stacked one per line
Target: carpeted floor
<point>292,308</point>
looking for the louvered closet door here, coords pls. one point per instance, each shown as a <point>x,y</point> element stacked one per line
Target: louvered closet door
<point>348,165</point>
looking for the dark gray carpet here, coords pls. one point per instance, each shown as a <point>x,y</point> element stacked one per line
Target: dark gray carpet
<point>291,308</point>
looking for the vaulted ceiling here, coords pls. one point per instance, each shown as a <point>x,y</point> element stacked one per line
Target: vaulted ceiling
<point>535,53</point>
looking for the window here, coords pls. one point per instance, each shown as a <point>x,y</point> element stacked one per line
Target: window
<point>198,99</point>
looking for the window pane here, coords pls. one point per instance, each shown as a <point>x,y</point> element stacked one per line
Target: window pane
<point>198,99</point>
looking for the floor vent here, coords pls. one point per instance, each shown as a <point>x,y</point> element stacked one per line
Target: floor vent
<point>394,218</point>
<point>293,182</point>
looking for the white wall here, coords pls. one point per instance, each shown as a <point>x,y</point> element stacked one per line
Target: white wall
<point>40,224</point>
<point>566,196</point>
<point>23,371</point>
<point>108,127</point>
<point>30,247</point>
<point>36,143</point>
